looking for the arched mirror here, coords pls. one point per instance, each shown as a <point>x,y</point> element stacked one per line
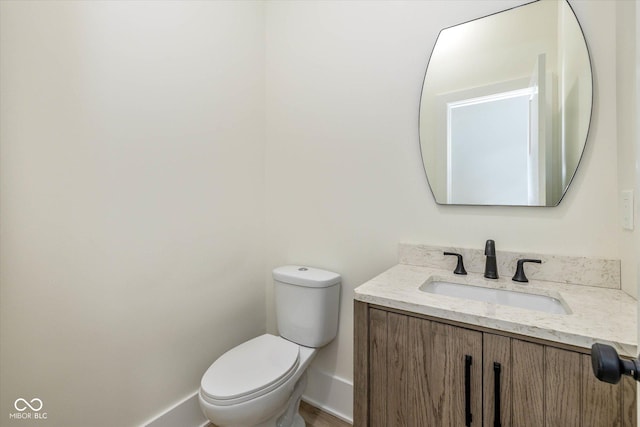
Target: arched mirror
<point>506,106</point>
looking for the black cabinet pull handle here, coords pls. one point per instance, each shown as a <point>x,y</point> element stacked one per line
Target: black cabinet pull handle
<point>496,394</point>
<point>467,390</point>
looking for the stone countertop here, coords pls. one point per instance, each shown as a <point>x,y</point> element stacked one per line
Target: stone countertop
<point>597,314</point>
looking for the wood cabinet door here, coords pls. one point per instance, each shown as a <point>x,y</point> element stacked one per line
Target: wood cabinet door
<point>518,368</point>
<point>496,354</point>
<point>449,374</point>
<point>563,387</point>
<point>545,386</point>
<point>419,372</point>
<point>601,402</point>
<point>527,384</point>
<point>606,404</point>
<point>553,387</point>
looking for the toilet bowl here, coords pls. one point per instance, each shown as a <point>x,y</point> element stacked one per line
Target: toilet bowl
<point>260,382</point>
<point>253,384</point>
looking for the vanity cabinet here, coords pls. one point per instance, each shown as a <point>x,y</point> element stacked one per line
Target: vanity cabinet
<point>413,370</point>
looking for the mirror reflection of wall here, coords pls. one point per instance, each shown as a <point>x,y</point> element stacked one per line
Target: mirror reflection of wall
<point>506,106</point>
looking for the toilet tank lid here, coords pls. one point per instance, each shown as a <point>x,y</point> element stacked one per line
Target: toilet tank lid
<point>306,276</point>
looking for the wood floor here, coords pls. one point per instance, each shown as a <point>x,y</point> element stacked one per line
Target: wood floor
<point>315,417</point>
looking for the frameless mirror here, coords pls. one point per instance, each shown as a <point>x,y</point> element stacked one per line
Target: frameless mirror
<point>506,107</point>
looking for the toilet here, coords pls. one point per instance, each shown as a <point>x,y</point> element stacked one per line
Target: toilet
<point>260,382</point>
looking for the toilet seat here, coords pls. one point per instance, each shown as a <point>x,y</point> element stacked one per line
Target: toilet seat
<point>250,370</point>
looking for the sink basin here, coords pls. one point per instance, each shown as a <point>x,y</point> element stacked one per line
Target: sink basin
<point>536,302</point>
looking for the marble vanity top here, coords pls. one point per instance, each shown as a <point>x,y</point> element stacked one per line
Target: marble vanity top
<point>596,314</point>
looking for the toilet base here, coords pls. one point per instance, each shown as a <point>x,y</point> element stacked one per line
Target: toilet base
<point>291,416</point>
<point>298,421</point>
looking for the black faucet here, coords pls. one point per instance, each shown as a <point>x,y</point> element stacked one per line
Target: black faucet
<point>460,266</point>
<point>490,267</point>
<point>520,276</point>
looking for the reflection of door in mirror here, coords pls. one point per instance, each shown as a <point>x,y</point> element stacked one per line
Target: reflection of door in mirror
<point>488,149</point>
<point>496,143</point>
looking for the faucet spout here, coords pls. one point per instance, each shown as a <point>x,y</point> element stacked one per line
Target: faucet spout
<point>490,266</point>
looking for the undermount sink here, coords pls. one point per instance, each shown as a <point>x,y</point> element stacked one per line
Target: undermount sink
<point>517,299</point>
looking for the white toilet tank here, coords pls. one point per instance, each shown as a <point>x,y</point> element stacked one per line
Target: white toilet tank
<point>307,304</point>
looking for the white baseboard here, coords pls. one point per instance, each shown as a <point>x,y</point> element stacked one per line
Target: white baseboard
<point>185,413</point>
<point>332,394</point>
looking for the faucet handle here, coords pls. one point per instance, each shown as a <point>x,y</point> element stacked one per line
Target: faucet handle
<point>460,267</point>
<point>490,248</point>
<point>520,276</point>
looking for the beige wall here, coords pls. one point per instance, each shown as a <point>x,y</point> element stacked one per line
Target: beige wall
<point>345,182</point>
<point>627,131</point>
<point>131,201</point>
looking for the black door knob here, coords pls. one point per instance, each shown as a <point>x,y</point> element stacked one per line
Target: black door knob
<point>609,367</point>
